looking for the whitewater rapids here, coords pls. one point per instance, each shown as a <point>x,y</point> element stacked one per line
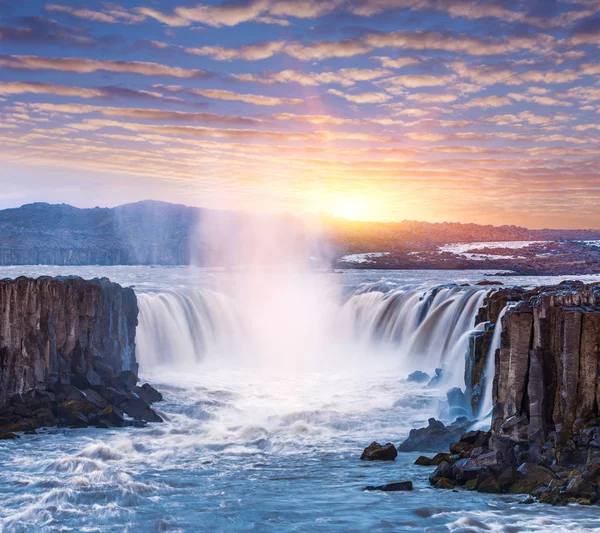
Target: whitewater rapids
<point>254,441</point>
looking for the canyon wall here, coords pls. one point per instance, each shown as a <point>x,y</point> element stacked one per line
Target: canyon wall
<point>55,330</point>
<point>545,428</point>
<point>546,380</point>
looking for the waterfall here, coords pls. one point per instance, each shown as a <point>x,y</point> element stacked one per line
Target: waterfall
<point>183,326</point>
<point>423,329</point>
<point>428,329</point>
<point>487,404</point>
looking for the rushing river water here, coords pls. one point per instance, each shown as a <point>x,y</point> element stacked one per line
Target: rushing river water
<point>271,393</point>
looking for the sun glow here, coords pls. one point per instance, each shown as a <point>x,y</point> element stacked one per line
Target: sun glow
<point>350,208</point>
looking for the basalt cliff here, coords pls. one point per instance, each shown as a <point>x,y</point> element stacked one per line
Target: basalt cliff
<point>545,428</point>
<point>67,355</point>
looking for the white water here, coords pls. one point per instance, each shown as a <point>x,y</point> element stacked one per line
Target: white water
<point>425,329</point>
<point>487,404</point>
<point>265,436</point>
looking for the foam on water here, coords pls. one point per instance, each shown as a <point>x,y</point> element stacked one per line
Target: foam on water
<point>249,444</point>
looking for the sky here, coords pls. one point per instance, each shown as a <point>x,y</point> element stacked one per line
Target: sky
<point>438,110</point>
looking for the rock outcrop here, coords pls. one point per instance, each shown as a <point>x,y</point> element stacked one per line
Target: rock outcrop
<point>67,355</point>
<point>545,434</point>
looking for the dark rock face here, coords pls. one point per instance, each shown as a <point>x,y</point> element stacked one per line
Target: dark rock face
<point>377,452</point>
<point>67,355</point>
<point>62,329</point>
<point>433,438</point>
<point>545,430</point>
<point>480,343</point>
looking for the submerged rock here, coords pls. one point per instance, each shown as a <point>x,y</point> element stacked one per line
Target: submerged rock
<point>393,487</point>
<point>418,377</point>
<point>437,379</point>
<point>377,452</point>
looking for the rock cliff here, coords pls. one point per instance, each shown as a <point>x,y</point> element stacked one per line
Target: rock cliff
<point>545,430</point>
<point>67,354</point>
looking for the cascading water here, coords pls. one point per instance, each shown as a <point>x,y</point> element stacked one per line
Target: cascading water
<point>180,327</point>
<point>423,328</point>
<point>487,404</point>
<point>428,329</point>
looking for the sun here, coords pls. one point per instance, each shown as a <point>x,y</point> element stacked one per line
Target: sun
<point>350,208</point>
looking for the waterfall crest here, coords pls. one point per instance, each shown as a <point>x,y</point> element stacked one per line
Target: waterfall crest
<point>423,328</point>
<point>427,328</point>
<point>185,325</point>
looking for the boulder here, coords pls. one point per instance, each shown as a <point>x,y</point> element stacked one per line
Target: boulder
<point>438,459</point>
<point>148,393</point>
<point>437,379</point>
<point>530,477</point>
<point>138,410</point>
<point>377,452</point>
<point>418,377</point>
<point>393,487</point>
<point>433,438</point>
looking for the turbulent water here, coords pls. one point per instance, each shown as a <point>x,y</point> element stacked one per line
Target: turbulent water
<point>271,393</point>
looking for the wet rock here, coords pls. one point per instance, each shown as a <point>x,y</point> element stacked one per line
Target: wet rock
<point>148,393</point>
<point>530,478</point>
<point>444,470</point>
<point>377,452</point>
<point>138,409</point>
<point>126,380</point>
<point>418,377</point>
<point>436,460</point>
<point>434,438</point>
<point>116,397</point>
<point>393,487</point>
<point>489,485</point>
<point>110,416</point>
<point>488,282</point>
<point>8,436</point>
<point>437,379</point>
<point>444,483</point>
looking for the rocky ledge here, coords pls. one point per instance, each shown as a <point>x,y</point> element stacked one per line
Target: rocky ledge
<point>67,356</point>
<point>545,432</point>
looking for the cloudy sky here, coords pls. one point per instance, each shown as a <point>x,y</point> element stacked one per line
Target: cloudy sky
<point>442,110</point>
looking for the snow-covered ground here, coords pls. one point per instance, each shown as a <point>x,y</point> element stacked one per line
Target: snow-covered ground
<point>463,249</point>
<point>363,258</point>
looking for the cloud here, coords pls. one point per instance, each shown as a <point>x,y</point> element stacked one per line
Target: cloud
<point>85,66</point>
<point>315,119</point>
<point>111,13</point>
<point>414,81</point>
<point>250,52</point>
<point>319,50</point>
<point>362,98</point>
<point>236,12</point>
<point>345,77</point>
<point>36,30</point>
<point>402,62</point>
<point>488,101</point>
<point>108,92</point>
<point>147,114</point>
<point>255,99</point>
<point>431,98</point>
<point>18,87</point>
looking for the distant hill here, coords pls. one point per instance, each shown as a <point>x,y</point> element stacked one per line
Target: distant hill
<point>161,233</point>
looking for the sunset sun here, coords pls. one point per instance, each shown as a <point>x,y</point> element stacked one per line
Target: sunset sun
<point>350,209</point>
